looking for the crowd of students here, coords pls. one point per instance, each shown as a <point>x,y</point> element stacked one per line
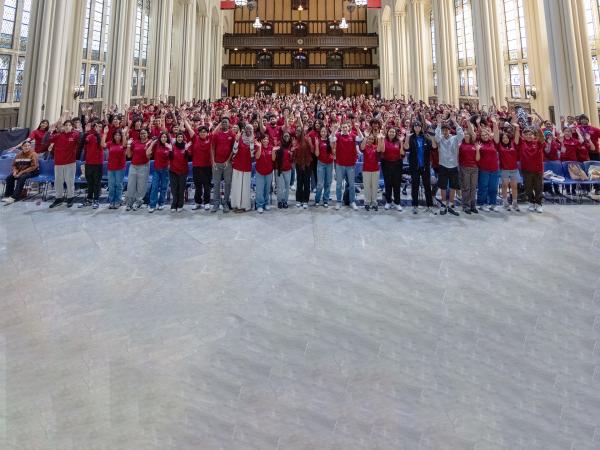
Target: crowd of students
<point>303,140</point>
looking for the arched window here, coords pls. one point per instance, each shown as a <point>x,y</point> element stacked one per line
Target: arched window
<point>264,88</point>
<point>465,48</point>
<point>96,27</point>
<point>300,29</point>
<point>266,30</point>
<point>335,60</point>
<point>264,60</point>
<point>300,60</point>
<point>592,15</point>
<point>140,49</point>
<point>515,49</point>
<point>336,90</point>
<point>13,44</point>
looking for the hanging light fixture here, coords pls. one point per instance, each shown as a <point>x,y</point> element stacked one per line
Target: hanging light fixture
<point>343,24</point>
<point>257,23</point>
<point>360,3</point>
<point>241,3</point>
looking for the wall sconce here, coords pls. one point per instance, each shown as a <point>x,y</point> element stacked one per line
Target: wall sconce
<point>532,92</point>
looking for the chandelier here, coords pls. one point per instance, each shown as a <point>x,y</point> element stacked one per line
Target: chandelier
<point>257,23</point>
<point>343,24</point>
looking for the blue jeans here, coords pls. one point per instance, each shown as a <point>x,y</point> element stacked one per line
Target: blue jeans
<point>487,188</point>
<point>115,185</point>
<point>341,173</point>
<point>158,191</point>
<point>283,186</point>
<point>263,189</point>
<point>324,177</point>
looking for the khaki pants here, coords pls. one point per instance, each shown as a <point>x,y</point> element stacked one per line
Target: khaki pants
<point>371,183</point>
<point>534,186</point>
<point>468,186</point>
<point>64,174</point>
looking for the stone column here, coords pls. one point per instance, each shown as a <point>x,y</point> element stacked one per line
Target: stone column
<point>44,84</point>
<point>218,61</point>
<point>419,76</point>
<point>384,63</point>
<point>446,53</point>
<point>119,67</point>
<point>206,57</point>
<point>73,63</point>
<point>160,49</point>
<point>198,57</point>
<point>187,57</point>
<point>401,72</point>
<point>488,51</point>
<point>570,62</point>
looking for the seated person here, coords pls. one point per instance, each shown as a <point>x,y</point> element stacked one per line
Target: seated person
<point>25,165</point>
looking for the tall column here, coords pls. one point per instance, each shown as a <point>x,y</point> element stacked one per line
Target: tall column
<point>206,57</point>
<point>218,61</point>
<point>44,87</point>
<point>73,63</point>
<point>401,72</point>
<point>445,50</point>
<point>160,49</point>
<point>488,52</point>
<point>570,62</point>
<point>198,57</point>
<point>418,86</point>
<point>538,57</point>
<point>119,68</point>
<point>384,62</point>
<point>187,58</point>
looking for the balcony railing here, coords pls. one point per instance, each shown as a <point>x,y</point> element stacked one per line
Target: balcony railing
<point>286,73</point>
<point>288,27</point>
<point>231,41</point>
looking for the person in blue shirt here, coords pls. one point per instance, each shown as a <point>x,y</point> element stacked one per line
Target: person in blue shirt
<point>419,146</point>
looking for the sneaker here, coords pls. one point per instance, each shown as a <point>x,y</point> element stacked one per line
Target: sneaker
<point>474,210</point>
<point>485,208</point>
<point>84,204</point>
<point>160,207</point>
<point>173,210</point>
<point>95,204</point>
<point>467,210</point>
<point>452,211</point>
<point>539,209</point>
<point>8,200</point>
<point>298,205</point>
<point>493,208</point>
<point>207,207</point>
<point>443,210</point>
<point>267,208</point>
<point>214,208</point>
<point>353,206</point>
<point>279,205</point>
<point>506,205</point>
<point>180,209</point>
<point>531,207</point>
<point>70,202</point>
<point>387,206</point>
<point>415,210</point>
<point>325,205</point>
<point>135,207</point>
<point>112,206</point>
<point>128,208</point>
<point>197,206</point>
<point>367,208</point>
<point>305,205</point>
<point>337,206</point>
<point>285,205</point>
<point>399,208</point>
<point>56,202</point>
<point>293,188</point>
<point>226,208</point>
<point>430,211</point>
<point>515,207</point>
<point>150,210</point>
<point>260,210</point>
<point>316,204</point>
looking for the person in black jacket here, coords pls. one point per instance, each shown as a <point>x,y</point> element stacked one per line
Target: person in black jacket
<point>419,146</point>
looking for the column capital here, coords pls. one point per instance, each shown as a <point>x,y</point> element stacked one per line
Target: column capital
<point>399,13</point>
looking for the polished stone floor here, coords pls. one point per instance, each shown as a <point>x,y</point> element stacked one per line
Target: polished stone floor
<point>299,330</point>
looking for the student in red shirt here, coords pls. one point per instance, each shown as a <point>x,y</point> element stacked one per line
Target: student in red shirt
<point>509,169</point>
<point>241,181</point>
<point>159,150</point>
<point>178,171</point>
<point>201,164</point>
<point>94,158</point>
<point>594,133</point>
<point>531,151</point>
<point>324,153</point>
<point>116,166</point>
<point>487,181</point>
<point>370,172</point>
<point>283,165</point>
<point>41,138</point>
<point>139,171</point>
<point>264,174</point>
<point>391,166</point>
<point>344,148</point>
<point>221,149</point>
<point>64,144</point>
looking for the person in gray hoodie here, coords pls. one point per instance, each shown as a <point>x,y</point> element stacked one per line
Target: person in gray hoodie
<point>448,150</point>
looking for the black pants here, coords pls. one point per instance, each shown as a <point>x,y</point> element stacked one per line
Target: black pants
<point>15,191</point>
<point>202,179</point>
<point>534,185</point>
<point>93,176</point>
<point>178,184</point>
<point>416,176</point>
<point>392,179</point>
<point>303,184</point>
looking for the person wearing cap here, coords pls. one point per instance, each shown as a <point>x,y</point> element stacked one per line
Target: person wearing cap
<point>419,147</point>
<point>448,152</point>
<point>25,165</point>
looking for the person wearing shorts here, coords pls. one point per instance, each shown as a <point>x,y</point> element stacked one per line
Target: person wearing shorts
<point>448,151</point>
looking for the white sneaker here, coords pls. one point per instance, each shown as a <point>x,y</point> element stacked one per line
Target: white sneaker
<point>293,188</point>
<point>267,208</point>
<point>539,209</point>
<point>298,205</point>
<point>430,211</point>
<point>180,209</point>
<point>387,206</point>
<point>207,207</point>
<point>515,207</point>
<point>260,210</point>
<point>8,200</point>
<point>197,206</point>
<point>173,210</point>
<point>506,206</point>
<point>305,205</point>
<point>531,207</point>
<point>485,208</point>
<point>493,208</point>
<point>161,207</point>
<point>337,206</point>
<point>399,208</point>
<point>150,210</point>
<point>353,206</point>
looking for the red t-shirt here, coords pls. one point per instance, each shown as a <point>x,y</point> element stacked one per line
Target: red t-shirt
<point>532,155</point>
<point>179,162</point>
<point>434,157</point>
<point>223,142</point>
<point>370,162</point>
<point>138,153</point>
<point>488,160</point>
<point>242,160</point>
<point>65,147</point>
<point>286,161</point>
<point>594,135</point>
<point>571,146</point>
<point>94,153</point>
<point>264,164</point>
<point>134,134</point>
<point>324,156</point>
<point>116,157</point>
<point>583,151</point>
<point>467,155</point>
<point>201,151</point>
<point>508,156</point>
<point>161,157</point>
<point>345,152</point>
<point>392,151</point>
<point>274,133</point>
<point>38,137</point>
<point>552,155</point>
